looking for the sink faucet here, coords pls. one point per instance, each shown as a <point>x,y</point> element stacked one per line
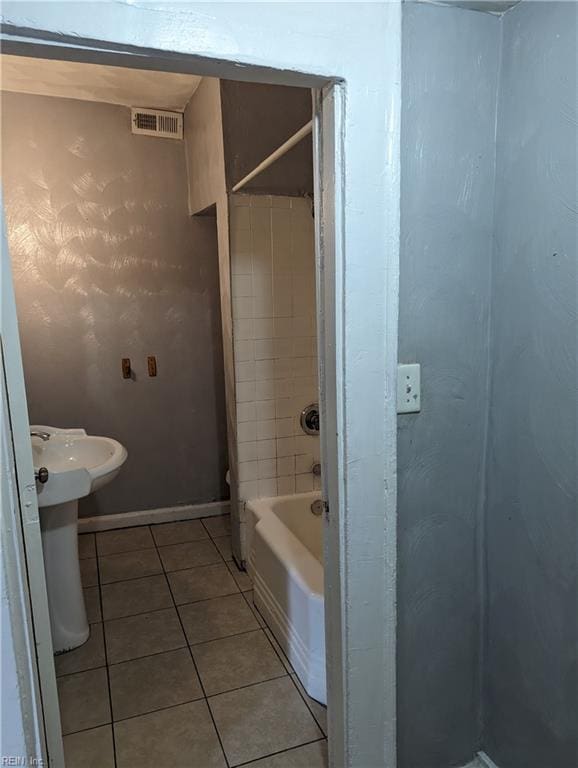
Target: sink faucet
<point>42,435</point>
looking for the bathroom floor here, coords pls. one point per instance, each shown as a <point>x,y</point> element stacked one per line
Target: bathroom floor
<point>179,668</point>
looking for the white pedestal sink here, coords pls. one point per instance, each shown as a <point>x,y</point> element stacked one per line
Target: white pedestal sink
<point>77,465</point>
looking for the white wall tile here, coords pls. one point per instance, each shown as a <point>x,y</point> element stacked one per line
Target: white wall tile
<point>265,349</point>
<point>249,490</point>
<point>268,487</point>
<point>263,307</point>
<point>284,407</point>
<point>265,409</point>
<point>266,449</point>
<point>284,327</point>
<point>303,483</point>
<point>243,329</point>
<point>285,466</point>
<point>240,199</point>
<point>261,201</point>
<point>244,350</point>
<point>240,219</point>
<point>242,286</point>
<point>242,308</point>
<point>245,371</point>
<point>264,390</point>
<point>267,469</point>
<point>264,369</point>
<point>264,328</point>
<point>245,412</point>
<point>247,451</point>
<point>303,463</point>
<point>284,427</point>
<point>283,348</point>
<point>284,388</point>
<point>246,431</point>
<point>286,485</point>
<point>273,289</point>
<point>285,446</point>
<point>266,430</point>
<point>248,470</point>
<point>245,391</point>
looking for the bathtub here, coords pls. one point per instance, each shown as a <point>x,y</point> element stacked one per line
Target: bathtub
<point>285,545</point>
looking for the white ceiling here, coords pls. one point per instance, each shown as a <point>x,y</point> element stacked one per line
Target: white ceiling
<point>96,82</point>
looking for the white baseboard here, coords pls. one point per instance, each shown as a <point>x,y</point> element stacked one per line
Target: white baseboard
<point>481,761</point>
<point>148,516</point>
<point>485,761</point>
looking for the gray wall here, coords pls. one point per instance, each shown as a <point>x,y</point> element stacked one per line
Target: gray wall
<point>257,119</point>
<point>108,264</point>
<point>450,63</point>
<point>532,535</point>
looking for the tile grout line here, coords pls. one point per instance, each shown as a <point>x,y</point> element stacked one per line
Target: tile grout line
<point>189,646</point>
<point>290,674</point>
<point>105,648</point>
<point>280,752</point>
<point>205,699</point>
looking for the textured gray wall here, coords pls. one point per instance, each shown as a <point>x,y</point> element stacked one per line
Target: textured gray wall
<point>532,534</point>
<point>450,61</point>
<point>108,264</point>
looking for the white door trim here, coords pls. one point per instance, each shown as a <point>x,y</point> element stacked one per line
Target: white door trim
<point>37,674</point>
<point>352,52</point>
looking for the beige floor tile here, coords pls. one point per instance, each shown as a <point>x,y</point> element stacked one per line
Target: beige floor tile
<point>124,540</point>
<point>84,701</point>
<point>142,635</point>
<point>180,737</point>
<point>90,749</point>
<point>236,661</point>
<point>87,656</point>
<point>177,533</point>
<point>88,572</point>
<point>219,617</point>
<point>220,525</point>
<point>86,547</point>
<point>310,756</point>
<point>242,578</point>
<point>249,598</point>
<point>261,719</point>
<point>280,651</point>
<point>128,565</point>
<point>128,598</point>
<point>223,544</point>
<point>191,554</point>
<point>92,604</point>
<point>201,583</point>
<point>155,682</point>
<point>319,711</point>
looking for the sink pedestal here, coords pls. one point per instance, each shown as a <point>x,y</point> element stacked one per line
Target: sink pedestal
<point>59,525</point>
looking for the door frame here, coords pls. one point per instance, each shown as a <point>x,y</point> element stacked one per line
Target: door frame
<point>356,78</point>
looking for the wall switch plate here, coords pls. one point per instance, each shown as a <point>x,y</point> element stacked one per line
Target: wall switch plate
<point>409,388</point>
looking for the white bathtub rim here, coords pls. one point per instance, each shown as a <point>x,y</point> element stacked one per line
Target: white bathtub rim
<point>300,563</point>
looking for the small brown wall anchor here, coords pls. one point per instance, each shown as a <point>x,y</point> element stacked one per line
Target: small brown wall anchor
<point>152,365</point>
<point>126,369</point>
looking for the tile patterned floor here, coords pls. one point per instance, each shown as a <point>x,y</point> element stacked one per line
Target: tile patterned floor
<point>180,668</point>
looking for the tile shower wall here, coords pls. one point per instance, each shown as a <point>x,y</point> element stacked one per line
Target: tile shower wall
<point>274,331</point>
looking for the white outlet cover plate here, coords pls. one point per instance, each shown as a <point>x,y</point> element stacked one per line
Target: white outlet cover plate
<point>409,388</point>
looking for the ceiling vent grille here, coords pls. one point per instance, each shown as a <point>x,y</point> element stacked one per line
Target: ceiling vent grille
<point>156,122</point>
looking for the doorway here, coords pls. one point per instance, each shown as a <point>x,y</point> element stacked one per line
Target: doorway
<point>329,117</point>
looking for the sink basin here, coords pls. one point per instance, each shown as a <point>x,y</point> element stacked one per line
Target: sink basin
<point>77,464</point>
